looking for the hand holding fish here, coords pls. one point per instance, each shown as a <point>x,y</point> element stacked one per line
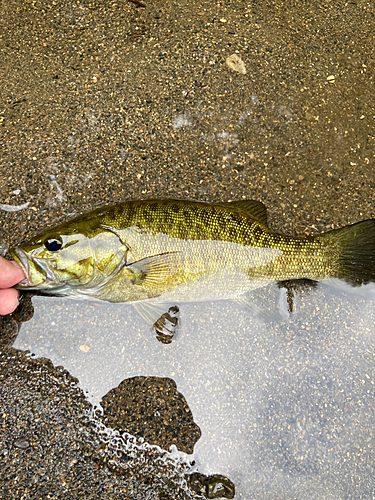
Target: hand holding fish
<point>10,274</point>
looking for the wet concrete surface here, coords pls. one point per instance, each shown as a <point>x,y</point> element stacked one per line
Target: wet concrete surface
<point>283,408</point>
<point>104,102</point>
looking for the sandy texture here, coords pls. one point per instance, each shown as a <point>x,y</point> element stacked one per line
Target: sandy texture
<point>108,101</point>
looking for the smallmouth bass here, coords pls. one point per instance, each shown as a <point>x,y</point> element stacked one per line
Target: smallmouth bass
<point>154,252</point>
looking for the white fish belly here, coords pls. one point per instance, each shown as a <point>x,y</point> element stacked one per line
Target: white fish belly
<point>226,284</point>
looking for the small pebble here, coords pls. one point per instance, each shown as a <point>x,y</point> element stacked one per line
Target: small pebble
<point>21,443</point>
<point>235,63</point>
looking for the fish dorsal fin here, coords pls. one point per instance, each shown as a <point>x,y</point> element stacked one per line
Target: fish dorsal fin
<point>255,209</point>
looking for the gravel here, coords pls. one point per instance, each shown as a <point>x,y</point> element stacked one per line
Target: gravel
<point>109,101</point>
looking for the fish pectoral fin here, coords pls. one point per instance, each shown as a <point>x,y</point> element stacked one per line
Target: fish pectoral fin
<point>154,269</point>
<point>255,209</point>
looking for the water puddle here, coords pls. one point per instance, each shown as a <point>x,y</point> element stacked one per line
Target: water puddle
<point>281,409</point>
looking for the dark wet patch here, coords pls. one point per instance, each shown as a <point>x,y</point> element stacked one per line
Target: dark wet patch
<point>294,287</point>
<point>46,420</point>
<point>152,408</point>
<point>10,324</point>
<point>166,325</point>
<point>215,486</point>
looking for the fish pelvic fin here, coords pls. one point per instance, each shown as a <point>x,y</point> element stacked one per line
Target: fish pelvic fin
<point>357,252</point>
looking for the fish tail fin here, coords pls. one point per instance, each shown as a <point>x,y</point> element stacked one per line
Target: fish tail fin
<point>356,245</point>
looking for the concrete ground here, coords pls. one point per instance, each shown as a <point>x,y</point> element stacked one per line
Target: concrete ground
<point>103,102</point>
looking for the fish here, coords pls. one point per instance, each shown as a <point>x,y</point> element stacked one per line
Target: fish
<point>153,253</point>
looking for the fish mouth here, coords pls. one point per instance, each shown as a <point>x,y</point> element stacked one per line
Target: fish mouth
<point>38,275</point>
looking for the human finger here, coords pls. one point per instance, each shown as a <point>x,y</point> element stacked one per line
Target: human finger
<point>8,301</point>
<point>10,273</point>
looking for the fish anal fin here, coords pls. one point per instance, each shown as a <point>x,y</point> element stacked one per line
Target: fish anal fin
<point>262,314</point>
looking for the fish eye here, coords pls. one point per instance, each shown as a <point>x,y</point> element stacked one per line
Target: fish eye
<point>53,244</point>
